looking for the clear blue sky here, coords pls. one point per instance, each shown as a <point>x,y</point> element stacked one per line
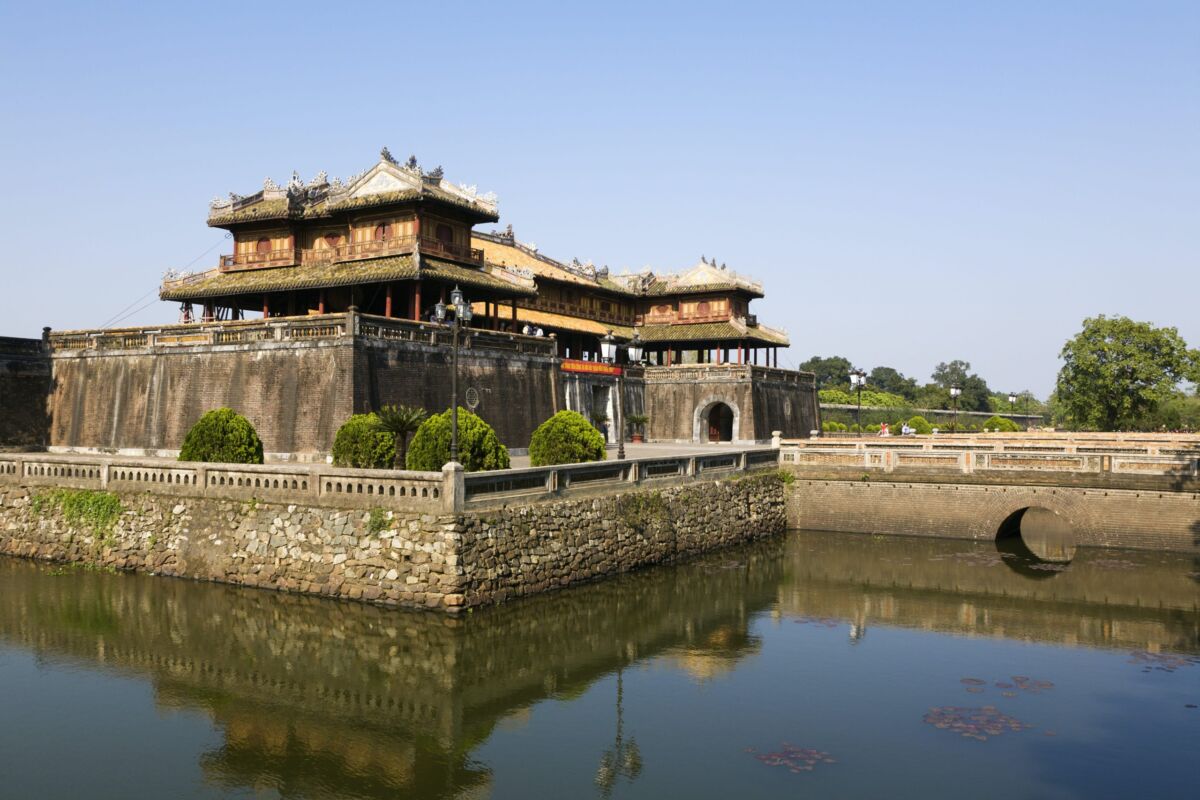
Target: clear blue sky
<point>914,182</point>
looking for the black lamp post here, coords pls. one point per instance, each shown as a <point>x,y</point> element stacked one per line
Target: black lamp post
<point>858,379</point>
<point>462,316</point>
<point>608,352</point>
<point>1012,403</point>
<point>954,393</point>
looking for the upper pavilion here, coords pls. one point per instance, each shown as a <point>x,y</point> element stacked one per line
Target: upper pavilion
<point>393,240</point>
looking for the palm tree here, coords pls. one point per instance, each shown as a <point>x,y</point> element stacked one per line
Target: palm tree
<point>401,422</point>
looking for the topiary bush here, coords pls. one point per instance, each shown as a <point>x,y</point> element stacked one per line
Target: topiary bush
<point>222,436</point>
<point>920,425</point>
<point>363,444</point>
<point>565,438</point>
<point>1001,424</point>
<point>478,447</point>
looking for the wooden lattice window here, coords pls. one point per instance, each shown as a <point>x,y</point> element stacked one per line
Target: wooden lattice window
<point>263,247</point>
<point>444,233</point>
<point>332,239</point>
<point>381,232</point>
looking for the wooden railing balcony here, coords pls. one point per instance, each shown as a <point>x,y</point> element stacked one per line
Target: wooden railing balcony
<point>354,251</point>
<point>267,258</point>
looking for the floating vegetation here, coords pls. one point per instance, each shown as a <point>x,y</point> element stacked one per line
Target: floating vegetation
<point>1162,662</point>
<point>820,622</point>
<point>973,723</point>
<point>1022,682</point>
<point>795,759</point>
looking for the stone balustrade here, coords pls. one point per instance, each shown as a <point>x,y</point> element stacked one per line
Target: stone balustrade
<point>311,484</point>
<point>1142,445</point>
<point>999,458</point>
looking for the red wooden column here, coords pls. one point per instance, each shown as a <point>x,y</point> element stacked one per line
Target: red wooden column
<point>266,306</point>
<point>417,301</point>
<point>514,320</point>
<point>387,302</point>
<point>741,353</point>
<point>321,302</point>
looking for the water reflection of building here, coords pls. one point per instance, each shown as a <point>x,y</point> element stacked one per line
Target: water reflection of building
<point>1123,599</point>
<point>311,694</point>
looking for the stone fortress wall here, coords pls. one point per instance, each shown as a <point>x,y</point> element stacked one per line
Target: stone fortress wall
<point>407,549</point>
<point>138,391</point>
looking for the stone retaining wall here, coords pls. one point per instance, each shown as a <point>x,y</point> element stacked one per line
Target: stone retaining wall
<point>442,561</point>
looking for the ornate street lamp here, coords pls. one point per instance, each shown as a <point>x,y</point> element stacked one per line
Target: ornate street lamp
<point>1012,403</point>
<point>954,393</point>
<point>462,316</point>
<point>858,379</point>
<point>608,352</point>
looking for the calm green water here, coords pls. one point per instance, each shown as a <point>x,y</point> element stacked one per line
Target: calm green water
<point>820,665</point>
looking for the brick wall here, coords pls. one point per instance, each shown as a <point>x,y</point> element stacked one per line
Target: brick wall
<point>296,394</point>
<point>1099,517</point>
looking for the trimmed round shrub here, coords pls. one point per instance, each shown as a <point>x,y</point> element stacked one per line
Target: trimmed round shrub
<point>478,447</point>
<point>360,443</point>
<point>565,438</point>
<point>222,436</point>
<point>1001,424</point>
<point>920,425</point>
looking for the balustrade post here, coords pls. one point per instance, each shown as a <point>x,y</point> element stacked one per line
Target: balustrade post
<point>454,489</point>
<point>104,476</point>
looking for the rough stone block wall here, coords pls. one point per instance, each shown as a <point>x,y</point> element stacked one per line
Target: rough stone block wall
<point>25,384</point>
<point>408,561</point>
<point>1150,520</point>
<point>516,391</point>
<point>671,406</point>
<point>530,549</point>
<point>296,394</point>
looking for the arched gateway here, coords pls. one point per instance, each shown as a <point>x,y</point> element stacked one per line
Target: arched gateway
<point>716,419</point>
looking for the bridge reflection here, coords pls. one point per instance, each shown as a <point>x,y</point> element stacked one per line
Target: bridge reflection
<point>314,696</point>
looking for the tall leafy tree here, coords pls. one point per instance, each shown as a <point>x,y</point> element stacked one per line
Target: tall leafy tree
<point>1116,371</point>
<point>887,379</point>
<point>975,392</point>
<point>830,372</point>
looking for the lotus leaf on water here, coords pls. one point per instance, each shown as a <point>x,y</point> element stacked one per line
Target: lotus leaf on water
<point>795,759</point>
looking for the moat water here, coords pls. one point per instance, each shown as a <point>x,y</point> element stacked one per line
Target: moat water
<point>817,665</point>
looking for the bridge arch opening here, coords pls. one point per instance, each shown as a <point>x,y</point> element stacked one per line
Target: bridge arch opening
<point>1034,536</point>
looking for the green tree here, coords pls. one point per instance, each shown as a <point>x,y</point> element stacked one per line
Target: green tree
<point>975,392</point>
<point>478,447</point>
<point>831,372</point>
<point>360,444</point>
<point>1116,371</point>
<point>565,438</point>
<point>222,436</point>
<point>399,422</point>
<point>886,379</point>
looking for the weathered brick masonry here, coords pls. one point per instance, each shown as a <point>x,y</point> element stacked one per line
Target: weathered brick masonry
<point>1153,520</point>
<point>443,561</point>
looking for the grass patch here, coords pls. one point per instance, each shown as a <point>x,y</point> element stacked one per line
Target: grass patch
<point>98,511</point>
<point>377,521</point>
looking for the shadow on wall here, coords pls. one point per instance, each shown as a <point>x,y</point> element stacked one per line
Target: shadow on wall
<point>25,390</point>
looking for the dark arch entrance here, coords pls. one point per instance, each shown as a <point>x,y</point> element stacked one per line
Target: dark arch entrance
<point>1034,536</point>
<point>720,423</point>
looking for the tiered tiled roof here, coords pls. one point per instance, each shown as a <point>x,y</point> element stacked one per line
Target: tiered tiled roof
<point>215,283</point>
<point>386,183</point>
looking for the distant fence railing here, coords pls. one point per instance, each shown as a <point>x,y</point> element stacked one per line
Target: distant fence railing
<point>566,480</point>
<point>999,443</point>
<point>906,456</point>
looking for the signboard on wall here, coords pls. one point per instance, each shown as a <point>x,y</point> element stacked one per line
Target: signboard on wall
<point>589,367</point>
